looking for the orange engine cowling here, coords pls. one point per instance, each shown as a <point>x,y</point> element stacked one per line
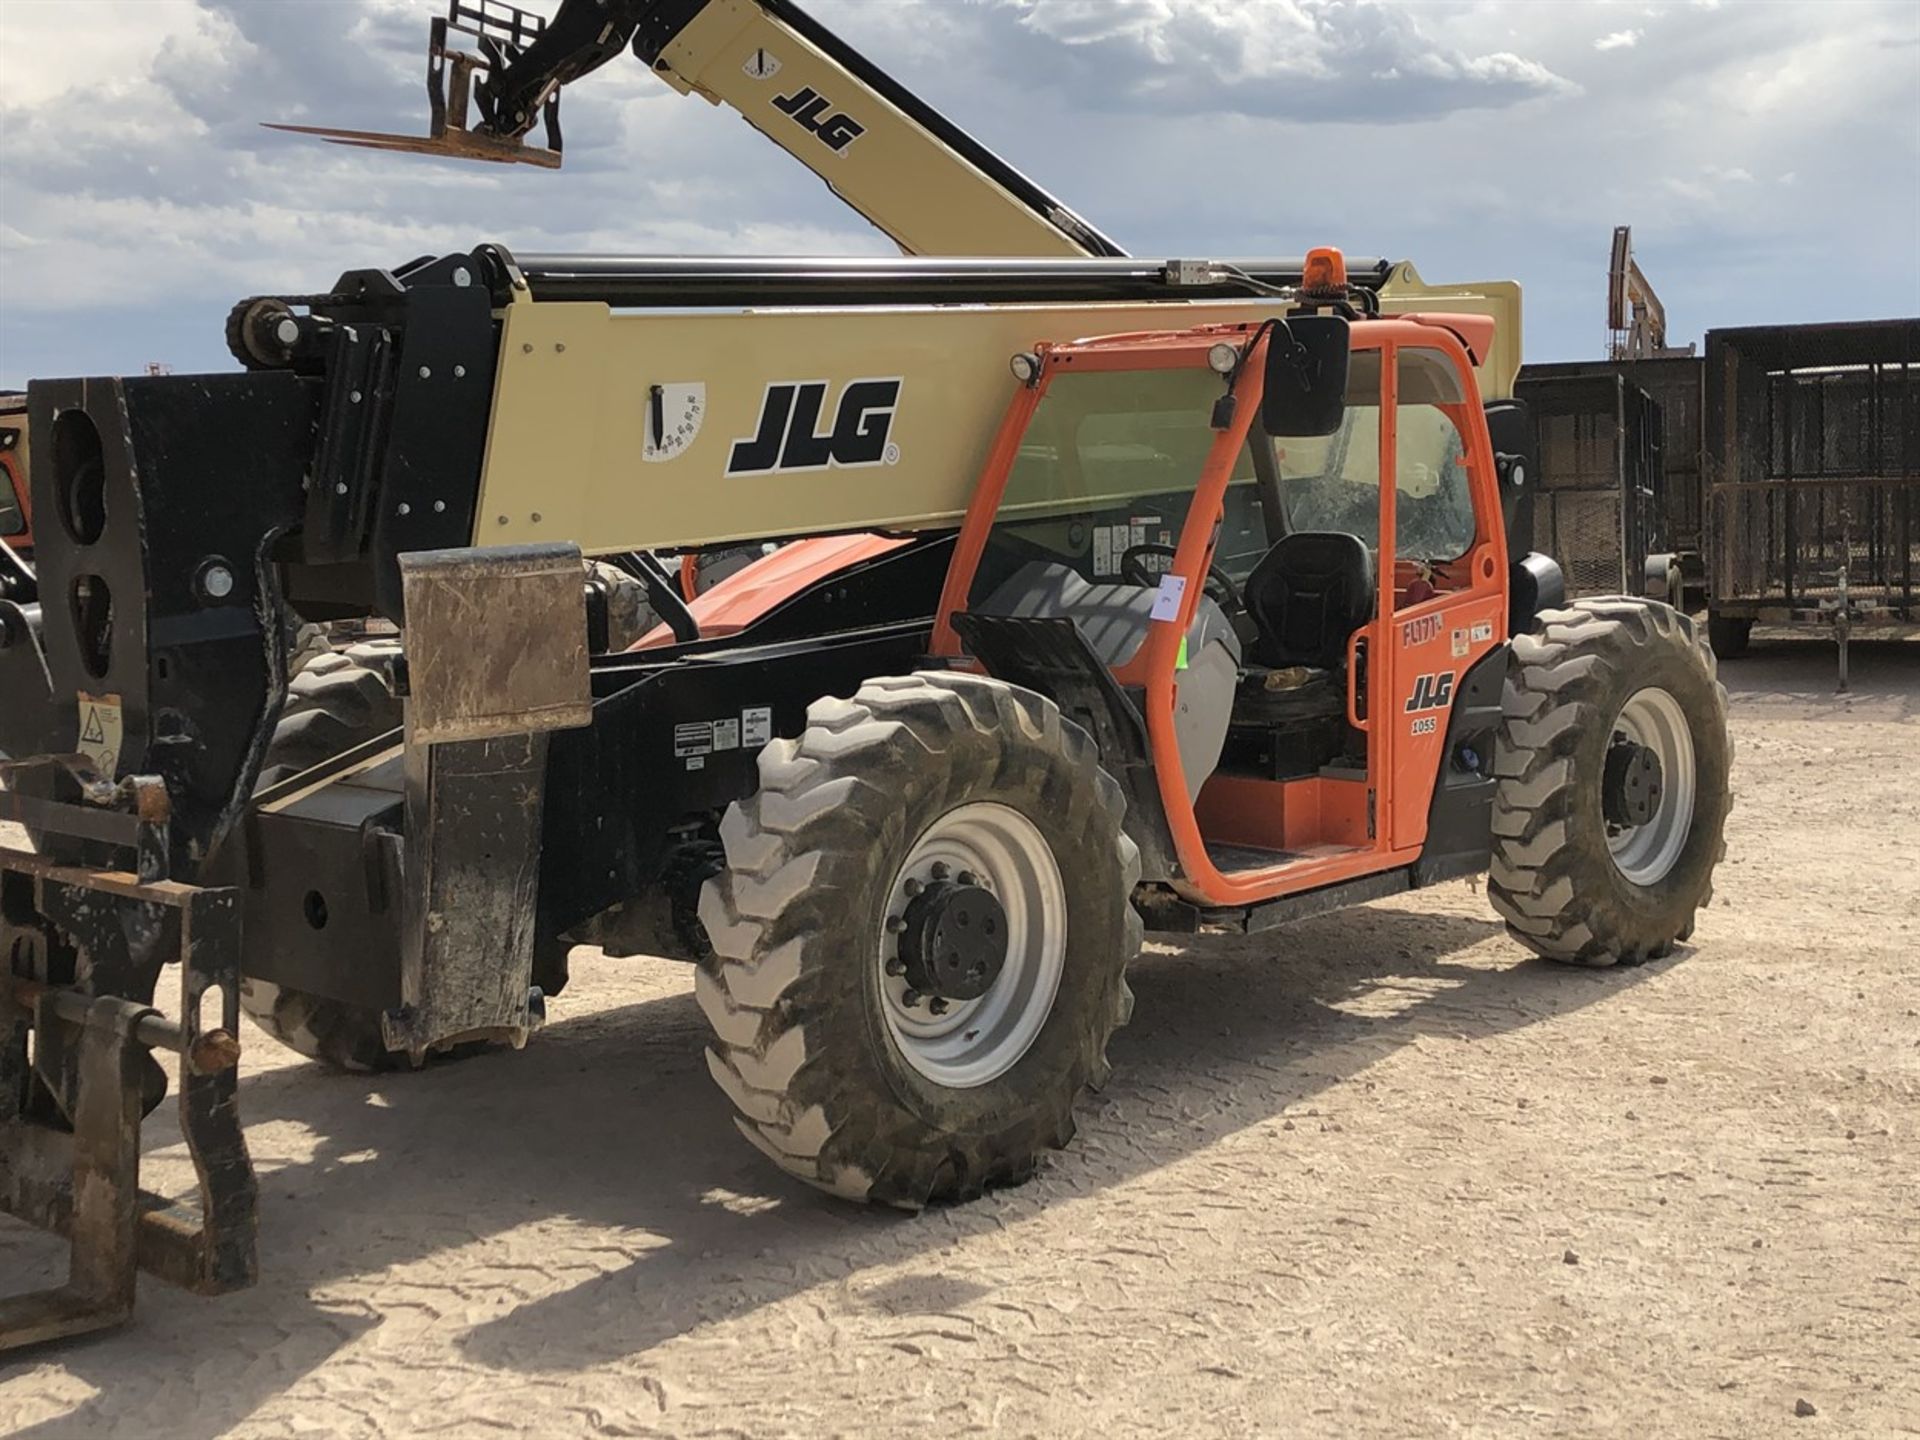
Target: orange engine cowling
<point>743,597</point>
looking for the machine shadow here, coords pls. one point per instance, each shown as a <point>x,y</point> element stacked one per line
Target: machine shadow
<point>610,1121</point>
<point>1883,678</point>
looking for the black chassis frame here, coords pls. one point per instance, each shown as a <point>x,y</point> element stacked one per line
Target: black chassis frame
<point>632,802</point>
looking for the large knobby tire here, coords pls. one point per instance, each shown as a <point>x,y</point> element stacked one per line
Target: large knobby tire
<point>337,701</point>
<point>629,611</point>
<point>1572,885</point>
<point>836,1074</point>
<point>307,643</point>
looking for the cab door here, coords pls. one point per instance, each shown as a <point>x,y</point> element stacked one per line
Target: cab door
<point>1442,607</point>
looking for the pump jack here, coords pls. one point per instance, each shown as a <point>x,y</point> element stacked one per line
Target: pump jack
<point>1636,320</point>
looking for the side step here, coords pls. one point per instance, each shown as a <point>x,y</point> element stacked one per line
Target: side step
<point>1162,910</point>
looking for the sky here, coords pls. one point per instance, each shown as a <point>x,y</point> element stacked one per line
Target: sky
<point>1767,155</point>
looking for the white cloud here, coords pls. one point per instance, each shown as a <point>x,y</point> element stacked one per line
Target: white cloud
<point>1707,186</point>
<point>137,176</point>
<point>1354,60</point>
<point>1619,40</point>
<point>139,197</point>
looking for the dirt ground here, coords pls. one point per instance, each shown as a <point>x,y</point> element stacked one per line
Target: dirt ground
<point>1376,1174</point>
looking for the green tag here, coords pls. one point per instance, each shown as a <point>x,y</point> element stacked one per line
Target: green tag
<point>1180,660</point>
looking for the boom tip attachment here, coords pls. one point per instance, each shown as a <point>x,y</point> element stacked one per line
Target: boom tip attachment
<point>451,142</point>
<point>457,81</point>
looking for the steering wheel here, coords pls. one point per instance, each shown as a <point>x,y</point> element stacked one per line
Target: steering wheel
<point>1223,590</point>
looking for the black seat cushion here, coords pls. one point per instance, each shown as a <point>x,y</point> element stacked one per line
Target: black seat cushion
<point>1313,695</point>
<point>1310,592</point>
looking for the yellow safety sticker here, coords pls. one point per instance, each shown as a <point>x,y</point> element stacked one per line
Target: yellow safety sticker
<point>100,732</point>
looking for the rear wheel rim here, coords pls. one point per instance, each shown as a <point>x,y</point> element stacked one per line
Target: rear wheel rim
<point>976,1041</point>
<point>1646,854</point>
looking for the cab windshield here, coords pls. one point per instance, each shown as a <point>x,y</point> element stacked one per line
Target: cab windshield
<point>1106,474</point>
<point>1107,469</point>
<point>1333,483</point>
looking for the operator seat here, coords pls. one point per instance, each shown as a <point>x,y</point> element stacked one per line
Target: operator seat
<point>1306,597</point>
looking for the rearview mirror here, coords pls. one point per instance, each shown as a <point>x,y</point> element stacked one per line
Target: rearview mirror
<point>1306,389</point>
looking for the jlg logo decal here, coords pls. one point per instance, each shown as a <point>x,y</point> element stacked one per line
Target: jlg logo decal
<point>788,436</point>
<point>1431,692</point>
<point>809,109</point>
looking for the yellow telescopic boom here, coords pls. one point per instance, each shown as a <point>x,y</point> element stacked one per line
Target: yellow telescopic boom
<point>922,180</point>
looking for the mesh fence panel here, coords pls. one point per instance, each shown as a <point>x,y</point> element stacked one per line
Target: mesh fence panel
<point>1582,528</point>
<point>1789,539</point>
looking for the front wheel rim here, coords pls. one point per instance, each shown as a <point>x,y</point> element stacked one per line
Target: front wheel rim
<point>1645,854</point>
<point>976,1041</point>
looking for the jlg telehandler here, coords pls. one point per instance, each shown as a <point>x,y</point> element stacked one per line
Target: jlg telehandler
<point>1194,663</point>
<point>1203,667</point>
<point>915,175</point>
<point>1139,634</point>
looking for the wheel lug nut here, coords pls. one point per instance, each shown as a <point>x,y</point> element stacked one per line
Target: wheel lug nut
<point>938,870</point>
<point>937,1005</point>
<point>896,967</point>
<point>896,923</point>
<point>910,998</point>
<point>913,887</point>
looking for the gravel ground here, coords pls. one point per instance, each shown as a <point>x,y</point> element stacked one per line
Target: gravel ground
<point>1376,1174</point>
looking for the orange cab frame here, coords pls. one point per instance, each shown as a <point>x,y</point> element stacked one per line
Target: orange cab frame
<point>1319,832</point>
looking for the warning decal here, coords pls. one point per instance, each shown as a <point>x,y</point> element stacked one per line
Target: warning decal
<point>100,732</point>
<point>697,739</point>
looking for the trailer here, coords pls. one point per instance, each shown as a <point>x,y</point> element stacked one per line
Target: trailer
<point>1596,504</point>
<point>1812,463</point>
<point>1619,499</point>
